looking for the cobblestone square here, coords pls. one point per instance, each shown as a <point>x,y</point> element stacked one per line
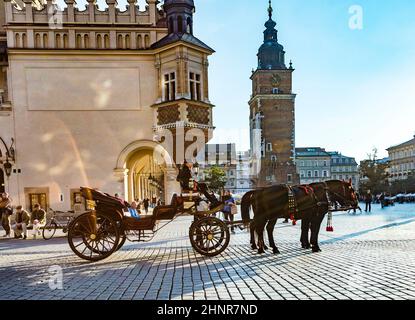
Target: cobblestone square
<point>369,256</point>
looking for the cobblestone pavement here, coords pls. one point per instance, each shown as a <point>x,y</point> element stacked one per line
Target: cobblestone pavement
<point>367,257</point>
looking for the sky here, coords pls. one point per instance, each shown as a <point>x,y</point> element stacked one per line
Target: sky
<point>355,87</point>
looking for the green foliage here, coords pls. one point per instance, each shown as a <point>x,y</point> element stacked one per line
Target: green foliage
<point>376,174</point>
<point>215,177</point>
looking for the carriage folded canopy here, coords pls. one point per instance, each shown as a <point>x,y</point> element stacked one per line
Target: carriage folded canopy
<point>103,201</point>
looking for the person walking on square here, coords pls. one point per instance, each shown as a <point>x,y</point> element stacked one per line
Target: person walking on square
<point>38,219</point>
<point>227,209</point>
<point>22,220</point>
<point>6,211</point>
<point>146,203</point>
<point>368,201</point>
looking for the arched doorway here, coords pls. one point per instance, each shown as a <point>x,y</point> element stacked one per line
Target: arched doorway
<point>146,176</point>
<point>146,170</point>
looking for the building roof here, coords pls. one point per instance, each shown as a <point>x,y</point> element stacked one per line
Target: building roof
<point>311,152</point>
<point>403,145</point>
<point>185,37</point>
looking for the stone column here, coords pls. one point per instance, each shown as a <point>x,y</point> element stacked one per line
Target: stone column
<point>171,186</point>
<point>132,10</point>
<point>152,10</point>
<point>29,10</point>
<point>205,79</point>
<point>91,10</point>
<point>111,10</point>
<point>70,10</point>
<point>121,175</point>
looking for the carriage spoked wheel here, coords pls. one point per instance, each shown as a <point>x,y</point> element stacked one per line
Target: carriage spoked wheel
<point>93,237</point>
<point>49,230</point>
<point>209,236</point>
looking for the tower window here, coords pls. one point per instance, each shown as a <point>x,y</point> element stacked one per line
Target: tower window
<point>269,147</point>
<point>180,24</point>
<point>289,178</point>
<point>275,90</point>
<point>169,86</point>
<point>195,86</point>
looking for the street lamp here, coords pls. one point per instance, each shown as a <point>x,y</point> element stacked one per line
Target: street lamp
<point>8,168</point>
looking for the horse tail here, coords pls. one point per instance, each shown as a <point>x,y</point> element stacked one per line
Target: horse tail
<point>245,206</point>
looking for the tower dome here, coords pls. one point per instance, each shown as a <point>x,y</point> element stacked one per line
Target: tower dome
<point>179,15</point>
<point>271,54</point>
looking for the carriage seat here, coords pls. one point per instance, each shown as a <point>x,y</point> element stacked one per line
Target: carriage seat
<point>147,222</point>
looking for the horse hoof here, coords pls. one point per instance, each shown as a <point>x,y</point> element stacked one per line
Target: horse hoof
<point>265,248</point>
<point>316,249</point>
<point>276,251</point>
<point>254,247</point>
<point>261,251</point>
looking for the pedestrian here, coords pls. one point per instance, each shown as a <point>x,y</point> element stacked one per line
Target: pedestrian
<point>37,219</point>
<point>146,203</point>
<point>368,201</point>
<point>22,220</point>
<point>229,208</point>
<point>6,210</point>
<point>382,200</point>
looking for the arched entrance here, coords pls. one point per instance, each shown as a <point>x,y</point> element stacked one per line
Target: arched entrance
<point>146,171</point>
<point>146,176</point>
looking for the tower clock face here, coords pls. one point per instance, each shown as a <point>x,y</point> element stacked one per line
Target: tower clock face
<point>275,80</point>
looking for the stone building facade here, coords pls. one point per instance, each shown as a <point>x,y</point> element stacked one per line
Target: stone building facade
<point>344,168</point>
<point>402,160</point>
<point>91,95</point>
<point>272,114</point>
<point>313,165</point>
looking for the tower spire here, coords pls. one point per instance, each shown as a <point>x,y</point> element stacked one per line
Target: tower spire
<point>270,10</point>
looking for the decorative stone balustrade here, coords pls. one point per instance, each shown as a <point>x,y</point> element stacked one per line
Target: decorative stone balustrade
<point>50,28</point>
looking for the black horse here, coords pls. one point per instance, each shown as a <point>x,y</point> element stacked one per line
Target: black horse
<point>311,205</point>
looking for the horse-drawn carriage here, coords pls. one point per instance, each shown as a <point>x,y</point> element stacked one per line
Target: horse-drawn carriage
<point>97,234</point>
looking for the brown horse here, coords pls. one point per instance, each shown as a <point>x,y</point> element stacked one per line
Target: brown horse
<point>270,204</point>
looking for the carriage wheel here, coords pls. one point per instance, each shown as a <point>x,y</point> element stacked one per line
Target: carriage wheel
<point>209,236</point>
<point>91,243</point>
<point>49,230</point>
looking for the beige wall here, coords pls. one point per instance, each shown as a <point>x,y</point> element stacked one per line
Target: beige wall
<point>63,150</point>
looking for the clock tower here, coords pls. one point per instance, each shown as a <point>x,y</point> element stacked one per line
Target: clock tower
<point>272,114</point>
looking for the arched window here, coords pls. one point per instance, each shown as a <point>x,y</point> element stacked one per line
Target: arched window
<point>180,24</point>
<point>106,41</point>
<point>78,41</point>
<point>58,41</point>
<point>86,41</point>
<point>65,41</point>
<point>99,41</point>
<point>17,40</point>
<point>38,41</point>
<point>147,41</point>
<point>171,24</point>
<point>45,41</point>
<point>120,42</point>
<point>127,42</point>
<point>139,42</point>
<point>24,40</point>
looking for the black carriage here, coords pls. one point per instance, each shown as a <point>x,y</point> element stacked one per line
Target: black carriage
<point>97,234</point>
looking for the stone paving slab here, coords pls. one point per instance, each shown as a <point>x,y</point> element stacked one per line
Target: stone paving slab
<point>367,257</point>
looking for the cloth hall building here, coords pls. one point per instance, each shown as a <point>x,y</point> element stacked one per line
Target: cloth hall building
<point>87,97</point>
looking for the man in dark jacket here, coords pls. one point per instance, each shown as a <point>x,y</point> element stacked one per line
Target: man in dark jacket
<point>22,220</point>
<point>184,176</point>
<point>368,201</point>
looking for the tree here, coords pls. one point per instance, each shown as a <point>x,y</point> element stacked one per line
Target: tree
<point>215,177</point>
<point>376,174</point>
